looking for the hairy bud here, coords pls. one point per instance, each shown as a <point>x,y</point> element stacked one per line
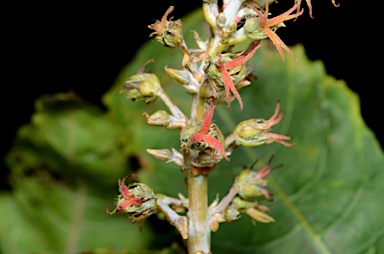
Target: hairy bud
<point>136,199</point>
<point>253,29</point>
<point>144,86</point>
<point>168,33</point>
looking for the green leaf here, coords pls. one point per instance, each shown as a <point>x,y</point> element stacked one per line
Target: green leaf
<point>65,165</point>
<point>328,194</point>
<point>70,138</point>
<point>43,215</point>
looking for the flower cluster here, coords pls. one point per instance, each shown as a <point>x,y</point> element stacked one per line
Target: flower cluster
<point>212,74</point>
<point>242,198</point>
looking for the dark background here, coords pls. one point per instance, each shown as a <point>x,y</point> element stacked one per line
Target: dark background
<point>59,46</point>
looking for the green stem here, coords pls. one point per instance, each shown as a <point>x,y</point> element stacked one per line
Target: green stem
<point>180,222</point>
<point>226,200</point>
<point>170,104</point>
<point>199,231</point>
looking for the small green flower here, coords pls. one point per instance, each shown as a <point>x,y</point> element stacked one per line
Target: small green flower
<point>168,33</point>
<point>136,199</point>
<point>252,184</point>
<point>143,86</point>
<point>255,132</point>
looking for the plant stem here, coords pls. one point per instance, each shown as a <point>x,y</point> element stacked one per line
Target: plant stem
<point>226,200</point>
<point>180,222</point>
<point>199,231</point>
<point>170,104</point>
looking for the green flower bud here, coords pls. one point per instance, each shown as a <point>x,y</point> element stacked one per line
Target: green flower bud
<point>185,78</point>
<point>206,159</point>
<point>232,27</point>
<point>167,156</point>
<point>161,154</point>
<point>257,215</point>
<point>252,209</point>
<point>250,184</point>
<point>221,20</point>
<point>168,32</point>
<point>232,213</point>
<point>249,191</point>
<point>243,176</point>
<point>148,205</point>
<point>136,199</point>
<point>144,86</point>
<point>172,35</point>
<point>253,29</point>
<point>160,118</point>
<point>251,133</point>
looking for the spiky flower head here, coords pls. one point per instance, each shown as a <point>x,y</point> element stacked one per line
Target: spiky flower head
<point>136,199</point>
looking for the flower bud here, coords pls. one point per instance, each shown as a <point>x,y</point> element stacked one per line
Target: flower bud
<point>232,27</point>
<point>251,133</point>
<point>257,215</point>
<point>172,35</point>
<point>255,132</point>
<point>167,156</point>
<point>160,118</point>
<point>168,33</point>
<point>216,219</point>
<point>185,78</point>
<point>240,204</point>
<point>253,29</point>
<point>221,20</point>
<point>136,199</point>
<point>249,184</point>
<point>144,86</point>
<point>161,154</point>
<point>232,213</point>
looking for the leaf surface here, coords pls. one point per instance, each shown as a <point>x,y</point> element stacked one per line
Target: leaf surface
<point>65,165</point>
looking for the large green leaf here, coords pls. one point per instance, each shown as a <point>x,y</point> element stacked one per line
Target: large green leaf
<point>64,166</point>
<point>328,194</point>
<point>43,215</point>
<point>71,138</point>
<point>329,191</point>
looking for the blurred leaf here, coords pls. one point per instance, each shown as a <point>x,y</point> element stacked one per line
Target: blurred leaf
<point>43,215</point>
<point>328,194</point>
<point>329,190</point>
<point>70,138</point>
<point>65,165</point>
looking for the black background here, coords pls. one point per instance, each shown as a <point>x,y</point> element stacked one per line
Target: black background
<point>59,46</point>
